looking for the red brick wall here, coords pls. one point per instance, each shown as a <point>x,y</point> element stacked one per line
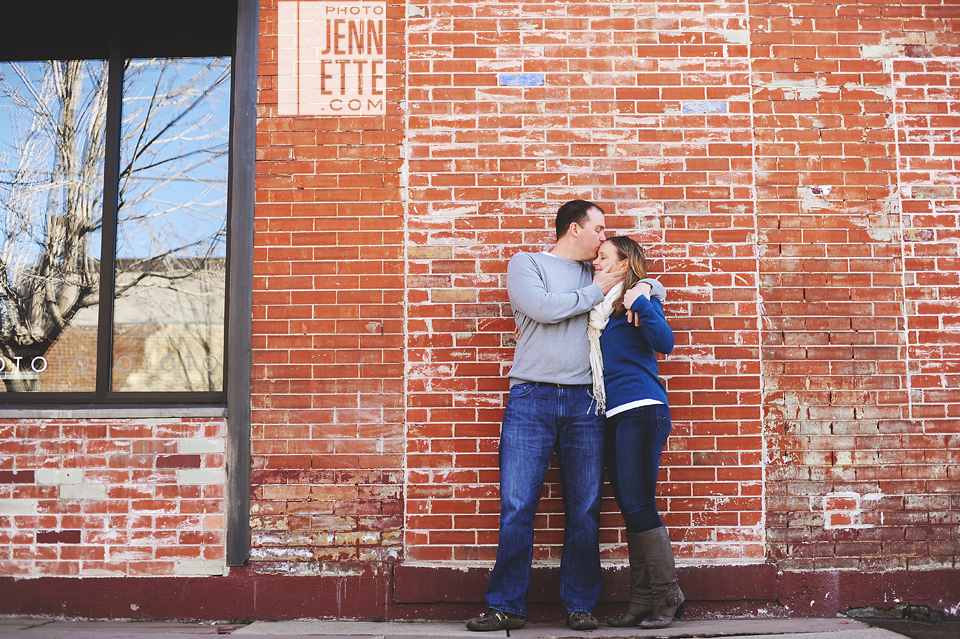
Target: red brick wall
<point>762,152</point>
<point>791,169</point>
<point>645,110</point>
<point>112,497</point>
<point>854,180</point>
<point>328,391</point>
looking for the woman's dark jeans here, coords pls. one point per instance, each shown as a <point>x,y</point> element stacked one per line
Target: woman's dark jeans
<point>635,439</point>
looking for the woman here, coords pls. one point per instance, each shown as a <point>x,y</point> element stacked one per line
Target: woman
<point>638,424</point>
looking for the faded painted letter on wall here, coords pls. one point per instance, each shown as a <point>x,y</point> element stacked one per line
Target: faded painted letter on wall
<point>332,58</point>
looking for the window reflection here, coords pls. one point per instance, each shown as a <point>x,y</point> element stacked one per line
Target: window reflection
<point>170,291</point>
<point>52,123</point>
<point>170,257</point>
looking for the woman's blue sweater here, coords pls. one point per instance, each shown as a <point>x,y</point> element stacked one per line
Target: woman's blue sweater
<point>629,363</point>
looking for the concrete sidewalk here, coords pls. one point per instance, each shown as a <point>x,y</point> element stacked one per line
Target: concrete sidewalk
<point>836,628</point>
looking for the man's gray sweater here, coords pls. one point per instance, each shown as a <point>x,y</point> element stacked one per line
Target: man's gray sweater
<point>551,299</point>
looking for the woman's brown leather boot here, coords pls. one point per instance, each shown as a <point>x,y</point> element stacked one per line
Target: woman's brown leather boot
<point>641,597</point>
<point>667,597</point>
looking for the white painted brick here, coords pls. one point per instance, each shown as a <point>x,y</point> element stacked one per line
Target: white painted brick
<point>104,572</point>
<point>83,491</point>
<point>201,476</point>
<point>18,506</point>
<point>873,51</point>
<point>54,476</point>
<point>201,446</point>
<point>738,36</point>
<point>187,567</point>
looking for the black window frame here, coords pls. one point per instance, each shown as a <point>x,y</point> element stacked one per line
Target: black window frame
<point>116,31</point>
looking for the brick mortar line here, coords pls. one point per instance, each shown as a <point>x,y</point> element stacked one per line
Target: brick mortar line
<point>891,63</point>
<point>405,197</point>
<point>759,291</point>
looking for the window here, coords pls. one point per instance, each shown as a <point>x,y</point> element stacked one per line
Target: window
<point>114,171</point>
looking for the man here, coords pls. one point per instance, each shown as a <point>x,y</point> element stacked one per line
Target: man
<point>550,408</point>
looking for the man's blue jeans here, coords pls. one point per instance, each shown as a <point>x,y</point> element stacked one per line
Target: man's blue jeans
<point>540,419</point>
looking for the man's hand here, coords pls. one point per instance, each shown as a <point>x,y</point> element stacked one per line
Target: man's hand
<point>607,281</point>
<point>631,296</point>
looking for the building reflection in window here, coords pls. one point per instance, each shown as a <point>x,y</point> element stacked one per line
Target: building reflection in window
<point>167,327</point>
<point>171,240</point>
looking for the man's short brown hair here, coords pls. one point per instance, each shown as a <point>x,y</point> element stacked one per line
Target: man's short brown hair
<point>574,211</point>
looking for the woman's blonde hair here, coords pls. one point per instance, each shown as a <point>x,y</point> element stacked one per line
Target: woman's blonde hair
<point>628,249</point>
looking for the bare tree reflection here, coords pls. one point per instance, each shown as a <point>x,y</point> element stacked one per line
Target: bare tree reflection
<point>172,203</point>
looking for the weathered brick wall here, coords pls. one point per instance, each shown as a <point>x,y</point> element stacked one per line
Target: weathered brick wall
<point>112,497</point>
<point>854,176</point>
<point>645,109</point>
<point>927,116</point>
<point>328,326</point>
<point>777,161</point>
<point>791,168</point>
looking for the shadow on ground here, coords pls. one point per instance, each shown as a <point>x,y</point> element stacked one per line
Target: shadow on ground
<point>918,629</point>
<point>917,622</point>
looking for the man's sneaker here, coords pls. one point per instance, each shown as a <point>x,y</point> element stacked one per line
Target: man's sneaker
<point>579,620</point>
<point>494,619</point>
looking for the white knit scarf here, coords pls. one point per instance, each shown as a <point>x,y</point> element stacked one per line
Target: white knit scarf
<point>599,316</point>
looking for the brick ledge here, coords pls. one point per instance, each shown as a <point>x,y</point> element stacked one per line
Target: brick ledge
<point>416,592</point>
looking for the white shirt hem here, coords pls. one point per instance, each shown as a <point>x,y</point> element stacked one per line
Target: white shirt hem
<point>637,404</point>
